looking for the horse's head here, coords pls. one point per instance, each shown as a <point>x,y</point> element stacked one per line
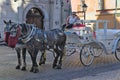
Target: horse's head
<point>22,30</point>
<point>8,24</point>
<point>11,27</point>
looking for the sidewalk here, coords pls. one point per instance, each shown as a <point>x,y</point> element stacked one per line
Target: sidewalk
<point>2,42</point>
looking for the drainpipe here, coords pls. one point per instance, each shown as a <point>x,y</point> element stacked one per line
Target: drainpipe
<point>61,11</point>
<point>115,21</point>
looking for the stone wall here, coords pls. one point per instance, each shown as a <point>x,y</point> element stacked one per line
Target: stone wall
<point>16,11</point>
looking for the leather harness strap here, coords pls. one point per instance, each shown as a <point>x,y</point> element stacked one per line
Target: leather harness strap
<point>29,37</point>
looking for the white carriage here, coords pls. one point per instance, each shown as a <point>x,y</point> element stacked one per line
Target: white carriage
<point>94,41</point>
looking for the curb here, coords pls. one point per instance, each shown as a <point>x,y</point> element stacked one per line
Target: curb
<point>2,42</point>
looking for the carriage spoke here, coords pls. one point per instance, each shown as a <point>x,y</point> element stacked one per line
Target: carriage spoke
<point>97,52</point>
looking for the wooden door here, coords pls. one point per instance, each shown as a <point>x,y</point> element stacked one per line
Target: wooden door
<point>34,16</point>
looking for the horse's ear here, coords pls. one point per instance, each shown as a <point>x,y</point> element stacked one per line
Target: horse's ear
<point>10,21</point>
<point>4,21</point>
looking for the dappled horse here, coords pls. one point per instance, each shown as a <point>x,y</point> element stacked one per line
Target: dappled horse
<point>36,39</point>
<point>19,47</point>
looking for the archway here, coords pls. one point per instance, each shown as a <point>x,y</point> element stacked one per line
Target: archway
<point>35,16</point>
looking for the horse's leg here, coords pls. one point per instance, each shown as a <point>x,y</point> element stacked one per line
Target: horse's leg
<point>18,50</point>
<point>33,53</point>
<point>56,59</point>
<point>60,52</point>
<point>24,59</point>
<point>60,61</point>
<point>43,57</point>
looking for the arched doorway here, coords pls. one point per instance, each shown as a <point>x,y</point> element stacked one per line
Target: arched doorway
<point>35,16</point>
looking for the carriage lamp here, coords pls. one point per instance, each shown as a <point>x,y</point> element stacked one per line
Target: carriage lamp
<point>84,10</point>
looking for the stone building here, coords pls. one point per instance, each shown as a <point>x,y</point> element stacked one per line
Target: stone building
<point>46,14</point>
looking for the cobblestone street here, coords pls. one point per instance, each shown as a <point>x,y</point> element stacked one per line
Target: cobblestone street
<point>87,30</point>
<point>105,67</point>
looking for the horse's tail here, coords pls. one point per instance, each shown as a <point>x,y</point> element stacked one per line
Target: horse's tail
<point>64,40</point>
<point>63,46</point>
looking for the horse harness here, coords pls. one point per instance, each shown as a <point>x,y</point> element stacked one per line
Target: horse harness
<point>33,31</point>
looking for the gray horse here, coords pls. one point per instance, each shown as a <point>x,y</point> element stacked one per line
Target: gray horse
<point>36,39</point>
<point>21,48</point>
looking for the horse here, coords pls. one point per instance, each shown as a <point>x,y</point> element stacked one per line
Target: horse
<point>20,47</point>
<point>40,40</point>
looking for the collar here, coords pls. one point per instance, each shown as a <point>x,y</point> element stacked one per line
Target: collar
<point>29,37</point>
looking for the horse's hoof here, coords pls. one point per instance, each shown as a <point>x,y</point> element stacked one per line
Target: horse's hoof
<point>40,63</point>
<point>34,70</point>
<point>59,67</point>
<point>23,69</point>
<point>17,67</point>
<point>54,66</point>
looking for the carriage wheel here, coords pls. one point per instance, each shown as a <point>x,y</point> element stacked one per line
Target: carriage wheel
<point>117,52</point>
<point>86,56</point>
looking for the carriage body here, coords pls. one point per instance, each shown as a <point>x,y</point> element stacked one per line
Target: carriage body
<point>79,35</point>
<point>108,39</point>
<point>103,40</point>
<point>93,40</point>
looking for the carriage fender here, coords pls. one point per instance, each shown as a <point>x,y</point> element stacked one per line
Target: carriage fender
<point>99,45</point>
<point>115,44</point>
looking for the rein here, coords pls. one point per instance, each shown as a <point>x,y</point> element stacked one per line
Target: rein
<point>18,32</point>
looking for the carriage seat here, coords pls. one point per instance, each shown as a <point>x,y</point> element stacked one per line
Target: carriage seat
<point>80,30</point>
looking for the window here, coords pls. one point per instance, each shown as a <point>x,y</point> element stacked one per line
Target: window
<point>79,8</point>
<point>118,3</point>
<point>82,1</point>
<point>100,4</point>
